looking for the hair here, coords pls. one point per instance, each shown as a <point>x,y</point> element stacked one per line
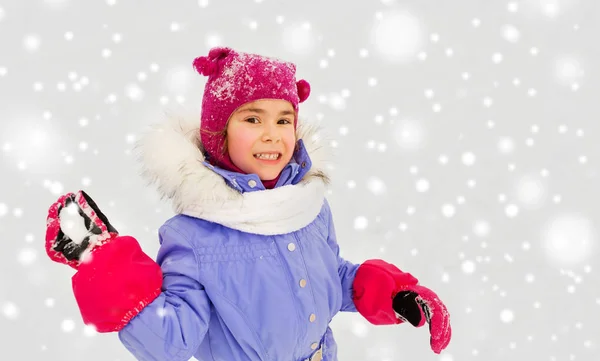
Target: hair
<point>222,133</point>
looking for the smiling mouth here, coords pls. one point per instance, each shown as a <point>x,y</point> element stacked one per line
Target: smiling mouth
<point>268,156</point>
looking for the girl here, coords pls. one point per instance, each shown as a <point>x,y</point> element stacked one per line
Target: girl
<point>249,268</point>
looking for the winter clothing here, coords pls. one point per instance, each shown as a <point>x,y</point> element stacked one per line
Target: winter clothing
<point>248,274</point>
<point>236,78</point>
<point>105,301</point>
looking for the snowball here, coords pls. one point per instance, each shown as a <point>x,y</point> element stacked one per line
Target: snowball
<point>72,224</point>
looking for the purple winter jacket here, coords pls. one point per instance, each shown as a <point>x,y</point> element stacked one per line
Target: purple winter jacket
<point>249,273</point>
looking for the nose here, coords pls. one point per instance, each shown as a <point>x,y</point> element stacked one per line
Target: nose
<point>270,133</point>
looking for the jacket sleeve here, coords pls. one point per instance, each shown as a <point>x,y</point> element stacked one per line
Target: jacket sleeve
<point>346,270</point>
<point>175,323</point>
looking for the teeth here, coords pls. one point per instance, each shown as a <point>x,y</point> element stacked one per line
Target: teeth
<point>267,156</point>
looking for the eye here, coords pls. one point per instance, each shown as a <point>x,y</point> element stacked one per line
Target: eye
<point>252,120</point>
<point>285,121</point>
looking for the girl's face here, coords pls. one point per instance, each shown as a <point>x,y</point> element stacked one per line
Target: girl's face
<point>261,137</point>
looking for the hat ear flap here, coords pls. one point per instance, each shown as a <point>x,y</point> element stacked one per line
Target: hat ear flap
<point>209,65</point>
<point>303,90</point>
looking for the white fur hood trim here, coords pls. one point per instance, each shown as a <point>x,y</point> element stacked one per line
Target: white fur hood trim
<point>171,158</point>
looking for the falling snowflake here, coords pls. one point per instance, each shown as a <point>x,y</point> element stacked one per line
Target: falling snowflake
<point>134,92</point>
<point>481,228</point>
<point>568,239</point>
<point>422,185</point>
<point>179,79</point>
<point>360,329</point>
<point>27,256</point>
<point>398,36</point>
<point>507,316</point>
<point>376,186</point>
<point>448,210</point>
<point>360,223</point>
<point>409,135</point>
<point>67,325</point>
<point>3,210</point>
<point>468,267</point>
<point>506,145</point>
<point>531,191</point>
<point>468,158</point>
<point>511,210</point>
<point>510,33</point>
<point>10,310</point>
<point>299,38</point>
<point>568,70</point>
<point>32,42</point>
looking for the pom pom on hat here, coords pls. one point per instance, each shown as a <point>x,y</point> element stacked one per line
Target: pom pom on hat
<point>208,65</point>
<point>303,90</point>
<point>204,66</point>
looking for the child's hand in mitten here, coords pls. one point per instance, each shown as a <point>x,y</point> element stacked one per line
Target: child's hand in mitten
<point>417,305</point>
<point>115,279</point>
<point>76,226</point>
<point>385,295</point>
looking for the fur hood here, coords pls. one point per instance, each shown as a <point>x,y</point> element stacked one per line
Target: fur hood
<point>170,155</point>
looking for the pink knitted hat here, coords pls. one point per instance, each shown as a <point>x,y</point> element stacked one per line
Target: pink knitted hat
<point>236,78</point>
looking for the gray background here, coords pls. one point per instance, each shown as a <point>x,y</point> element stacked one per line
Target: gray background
<point>467,154</point>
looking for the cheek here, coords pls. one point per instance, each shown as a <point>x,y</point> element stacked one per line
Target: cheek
<point>240,144</point>
<point>290,142</point>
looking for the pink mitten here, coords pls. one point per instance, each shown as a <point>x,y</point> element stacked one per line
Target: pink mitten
<point>385,295</point>
<point>412,302</point>
<point>115,279</point>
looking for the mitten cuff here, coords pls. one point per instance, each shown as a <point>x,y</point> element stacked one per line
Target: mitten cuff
<point>129,315</point>
<point>375,285</point>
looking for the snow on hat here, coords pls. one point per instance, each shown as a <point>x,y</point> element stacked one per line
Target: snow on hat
<point>236,78</point>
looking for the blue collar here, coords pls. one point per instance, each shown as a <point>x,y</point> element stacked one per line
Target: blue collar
<point>292,173</point>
